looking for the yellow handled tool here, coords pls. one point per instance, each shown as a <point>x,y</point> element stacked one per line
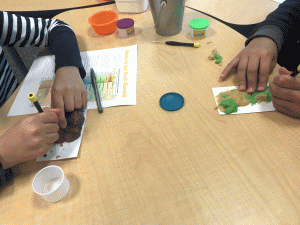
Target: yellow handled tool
<point>32,97</point>
<point>175,43</point>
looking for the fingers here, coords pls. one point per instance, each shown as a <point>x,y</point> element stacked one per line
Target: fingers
<point>241,73</point>
<point>287,82</point>
<point>58,102</point>
<point>69,103</point>
<point>77,101</point>
<point>48,117</point>
<point>47,109</point>
<point>252,76</point>
<point>226,72</point>
<point>284,71</point>
<point>51,128</point>
<point>84,99</point>
<point>288,110</point>
<point>284,93</point>
<point>264,72</point>
<point>51,138</point>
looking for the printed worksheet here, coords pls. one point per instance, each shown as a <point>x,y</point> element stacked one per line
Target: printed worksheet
<point>115,70</point>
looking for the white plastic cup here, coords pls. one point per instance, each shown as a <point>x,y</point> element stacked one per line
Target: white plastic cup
<point>51,184</point>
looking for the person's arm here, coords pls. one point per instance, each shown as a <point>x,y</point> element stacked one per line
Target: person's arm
<point>18,31</point>
<point>68,91</point>
<point>280,24</point>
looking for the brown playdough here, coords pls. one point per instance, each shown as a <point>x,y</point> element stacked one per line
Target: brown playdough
<point>72,132</point>
<point>261,98</point>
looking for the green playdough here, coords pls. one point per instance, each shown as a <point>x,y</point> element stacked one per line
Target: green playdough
<point>230,105</point>
<point>224,96</point>
<point>228,101</point>
<point>218,59</point>
<point>253,98</point>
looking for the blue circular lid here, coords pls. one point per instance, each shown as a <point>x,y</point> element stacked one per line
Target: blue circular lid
<point>171,101</point>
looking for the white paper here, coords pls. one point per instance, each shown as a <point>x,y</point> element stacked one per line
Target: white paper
<point>118,67</point>
<point>279,1</point>
<point>64,150</point>
<point>118,63</point>
<point>258,107</point>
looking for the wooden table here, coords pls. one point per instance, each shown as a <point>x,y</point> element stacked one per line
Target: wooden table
<point>143,165</point>
<point>235,11</point>
<point>38,5</point>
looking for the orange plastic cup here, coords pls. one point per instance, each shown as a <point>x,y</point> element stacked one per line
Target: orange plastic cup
<point>104,22</point>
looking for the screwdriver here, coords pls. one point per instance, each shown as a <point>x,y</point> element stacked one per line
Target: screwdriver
<point>175,43</point>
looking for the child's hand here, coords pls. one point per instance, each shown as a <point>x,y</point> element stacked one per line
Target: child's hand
<point>285,91</point>
<point>68,92</point>
<point>30,138</point>
<point>254,64</point>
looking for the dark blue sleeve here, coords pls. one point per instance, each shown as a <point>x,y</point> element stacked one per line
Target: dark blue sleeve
<point>6,176</point>
<point>63,44</point>
<point>280,25</point>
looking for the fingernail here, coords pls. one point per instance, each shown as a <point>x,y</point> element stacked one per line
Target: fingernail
<point>222,75</point>
<point>241,87</point>
<point>250,89</point>
<point>260,88</point>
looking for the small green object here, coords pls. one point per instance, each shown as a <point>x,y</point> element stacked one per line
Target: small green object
<point>224,96</point>
<point>252,97</point>
<point>219,57</point>
<point>230,105</point>
<point>199,24</point>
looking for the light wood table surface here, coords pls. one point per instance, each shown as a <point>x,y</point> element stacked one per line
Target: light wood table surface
<point>235,11</point>
<point>143,165</point>
<point>37,5</point>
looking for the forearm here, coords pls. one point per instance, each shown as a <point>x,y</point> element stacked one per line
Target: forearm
<point>63,44</point>
<point>269,31</point>
<point>280,25</point>
<point>6,174</point>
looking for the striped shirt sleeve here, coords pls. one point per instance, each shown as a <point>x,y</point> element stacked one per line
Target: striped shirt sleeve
<point>19,31</point>
<point>8,82</point>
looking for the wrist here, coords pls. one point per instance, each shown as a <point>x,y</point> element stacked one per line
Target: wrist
<point>3,163</point>
<point>3,158</point>
<point>67,70</point>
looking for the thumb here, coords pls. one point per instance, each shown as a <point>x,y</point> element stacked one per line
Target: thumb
<point>284,71</point>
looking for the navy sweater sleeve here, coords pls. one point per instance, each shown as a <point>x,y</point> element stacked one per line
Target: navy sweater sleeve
<point>280,25</point>
<point>63,44</point>
<point>19,31</point>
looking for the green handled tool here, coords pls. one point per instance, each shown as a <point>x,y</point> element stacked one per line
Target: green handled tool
<point>176,43</point>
